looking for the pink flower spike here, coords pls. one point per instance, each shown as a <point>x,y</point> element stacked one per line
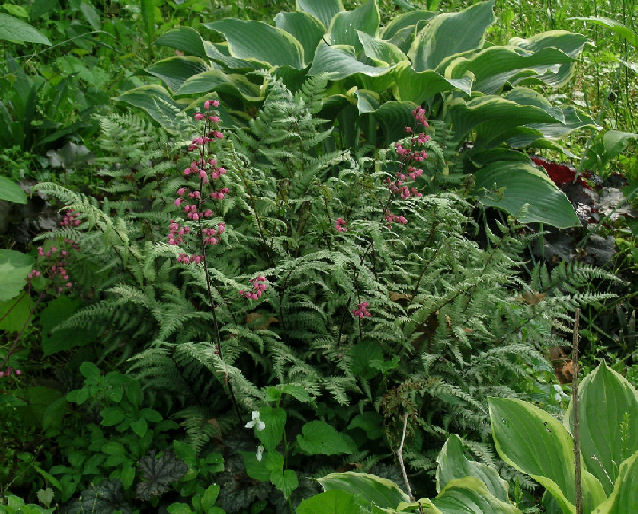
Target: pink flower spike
<point>18,372</point>
<point>40,251</point>
<point>69,284</point>
<point>208,213</point>
<point>181,191</point>
<point>199,116</point>
<point>215,103</point>
<point>177,202</point>
<point>207,104</point>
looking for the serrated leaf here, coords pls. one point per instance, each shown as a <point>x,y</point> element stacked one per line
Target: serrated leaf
<point>159,473</point>
<point>18,31</point>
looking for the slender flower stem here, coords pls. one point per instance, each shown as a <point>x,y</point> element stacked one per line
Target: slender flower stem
<point>575,430</point>
<point>400,457</point>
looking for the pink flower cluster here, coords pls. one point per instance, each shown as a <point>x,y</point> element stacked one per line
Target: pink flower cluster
<point>9,372</point>
<point>259,286</point>
<point>55,269</point>
<point>210,233</point>
<point>341,225</point>
<point>362,310</point>
<point>70,219</point>
<point>391,218</point>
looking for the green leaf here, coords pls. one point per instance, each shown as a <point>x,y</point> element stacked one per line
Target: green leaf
<point>384,52</point>
<point>323,10</point>
<point>615,26</point>
<point>469,494</point>
<point>624,497</point>
<point>256,40</point>
<point>111,416</point>
<point>537,444</point>
<point>179,508</point>
<point>210,497</point>
<point>298,392</point>
<point>174,71</point>
<point>275,420</point>
<point>451,33</point>
<point>452,464</point>
<point>11,192</point>
<point>346,25</point>
<point>91,15</point>
<point>380,491</point>
<point>185,39</point>
<point>615,142</point>
<point>335,502</point>
<point>608,415</point>
<point>339,62</point>
<point>56,312</point>
<point>90,371</point>
<point>140,427</point>
<point>285,480</point>
<point>19,312</point>
<point>304,28</point>
<point>370,422</point>
<point>261,470</point>
<point>127,475</point>
<point>148,19</point>
<point>217,80</point>
<point>319,438</point>
<point>525,192</point>
<point>18,31</point>
<point>412,86</point>
<point>406,20</point>
<point>114,448</point>
<point>158,103</point>
<point>14,268</point>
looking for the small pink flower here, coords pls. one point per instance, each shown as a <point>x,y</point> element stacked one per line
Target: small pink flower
<point>199,116</point>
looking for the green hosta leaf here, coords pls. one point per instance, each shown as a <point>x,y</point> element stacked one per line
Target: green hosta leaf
<point>608,415</point>
<point>525,192</point>
<point>14,268</point>
<point>406,20</point>
<point>14,313</point>
<point>339,62</point>
<point>417,87</point>
<point>275,420</point>
<point>380,491</point>
<point>346,24</point>
<point>367,101</point>
<point>319,438</point>
<point>574,119</point>
<point>451,33</point>
<point>18,31</point>
<point>11,192</point>
<point>615,142</point>
<point>337,502</point>
<point>285,480</point>
<point>615,26</point>
<point>304,28</point>
<point>535,443</point>
<point>217,80</point>
<point>255,40</point>
<point>393,118</point>
<point>323,10</point>
<point>384,52</point>
<point>220,53</point>
<point>452,464</point>
<point>158,103</point>
<point>624,497</point>
<point>469,494</point>
<point>174,71</point>
<point>184,39</point>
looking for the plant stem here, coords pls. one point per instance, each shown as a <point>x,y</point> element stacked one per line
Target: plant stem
<point>575,432</point>
<point>400,457</point>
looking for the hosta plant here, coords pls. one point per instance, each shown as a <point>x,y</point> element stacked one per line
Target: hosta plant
<point>378,74</point>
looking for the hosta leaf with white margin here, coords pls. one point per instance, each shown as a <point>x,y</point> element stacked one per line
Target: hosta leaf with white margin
<point>304,28</point>
<point>416,86</point>
<point>256,40</point>
<point>380,491</point>
<point>185,39</point>
<point>220,53</point>
<point>174,71</point>
<point>11,192</point>
<point>382,51</point>
<point>18,31</point>
<point>319,438</point>
<point>624,497</point>
<point>452,464</point>
<point>615,26</point>
<point>216,80</point>
<point>469,494</point>
<point>497,65</point>
<point>339,61</point>
<point>159,105</point>
<point>525,192</point>
<point>323,10</point>
<point>336,501</point>
<point>608,419</point>
<point>615,142</point>
<point>14,268</point>
<point>346,24</point>
<point>405,20</point>
<point>451,33</point>
<point>537,444</point>
<point>568,42</point>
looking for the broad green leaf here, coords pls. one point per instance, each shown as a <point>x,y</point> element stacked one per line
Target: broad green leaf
<point>210,497</point>
<point>304,28</point>
<point>469,494</point>
<point>367,101</point>
<point>608,415</point>
<point>275,420</point>
<point>178,508</point>
<point>90,371</point>
<point>56,312</point>
<point>624,497</point>
<point>615,142</point>
<point>148,19</point>
<point>370,422</point>
<point>380,491</point>
<point>346,24</point>
<point>382,51</point>
<point>535,443</point>
<point>393,118</point>
<point>417,87</point>
<point>323,10</point>
<point>91,15</point>
<point>285,480</point>
<point>217,80</point>
<point>16,10</point>
<point>451,33</point>
<point>18,31</point>
<point>220,53</point>
<point>336,502</point>
<point>140,427</point>
<point>615,26</point>
<point>525,192</point>
<point>14,268</point>
<point>574,119</point>
<point>256,40</point>
<point>15,312</point>
<point>298,392</point>
<point>452,464</point>
<point>406,20</point>
<point>319,438</point>
<point>111,416</point>
<point>185,39</point>
<point>174,71</point>
<point>338,62</point>
<point>158,103</point>
<point>262,469</point>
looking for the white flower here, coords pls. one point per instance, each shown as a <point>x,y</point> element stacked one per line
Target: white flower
<point>260,425</point>
<point>260,452</point>
<point>559,393</point>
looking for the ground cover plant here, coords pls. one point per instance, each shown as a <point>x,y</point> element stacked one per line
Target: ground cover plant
<point>238,271</point>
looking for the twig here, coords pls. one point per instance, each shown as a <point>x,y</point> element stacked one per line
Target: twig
<point>400,457</point>
<point>575,433</point>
